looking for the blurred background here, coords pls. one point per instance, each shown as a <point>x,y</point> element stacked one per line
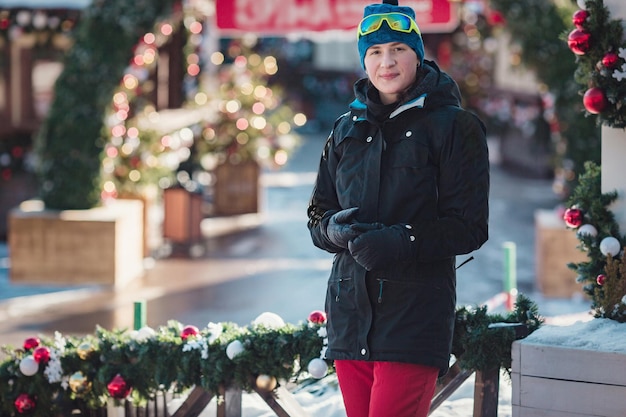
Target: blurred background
<point>182,120</point>
<point>189,71</point>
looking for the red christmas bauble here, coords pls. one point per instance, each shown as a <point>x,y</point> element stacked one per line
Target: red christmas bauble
<point>594,100</point>
<point>317,317</point>
<point>610,60</point>
<point>601,279</point>
<point>189,331</point>
<point>118,387</point>
<point>24,403</point>
<point>579,41</point>
<point>41,354</point>
<point>31,343</point>
<point>579,17</point>
<point>573,217</point>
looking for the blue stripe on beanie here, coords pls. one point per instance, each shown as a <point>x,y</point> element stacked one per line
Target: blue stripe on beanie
<point>385,34</point>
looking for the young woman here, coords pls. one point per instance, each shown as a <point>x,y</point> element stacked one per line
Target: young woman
<point>402,188</point>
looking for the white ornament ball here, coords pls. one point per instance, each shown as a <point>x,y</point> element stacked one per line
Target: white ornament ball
<point>269,320</point>
<point>29,366</point>
<point>582,4</point>
<point>145,333</point>
<point>587,229</point>
<point>233,349</point>
<point>609,246</point>
<point>317,368</point>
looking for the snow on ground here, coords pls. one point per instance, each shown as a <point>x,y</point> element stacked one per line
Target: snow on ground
<point>323,399</point>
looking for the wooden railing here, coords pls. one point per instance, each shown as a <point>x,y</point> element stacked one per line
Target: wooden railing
<point>284,404</point>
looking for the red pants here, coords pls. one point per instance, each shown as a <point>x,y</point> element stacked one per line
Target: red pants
<point>386,389</point>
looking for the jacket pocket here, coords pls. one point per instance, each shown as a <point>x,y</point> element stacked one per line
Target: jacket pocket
<point>341,290</point>
<point>408,316</point>
<point>342,314</point>
<point>401,291</point>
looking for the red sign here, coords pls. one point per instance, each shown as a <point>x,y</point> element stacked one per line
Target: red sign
<point>293,16</point>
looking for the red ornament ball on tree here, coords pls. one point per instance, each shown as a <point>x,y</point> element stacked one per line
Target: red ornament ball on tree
<point>41,354</point>
<point>610,60</point>
<point>579,17</point>
<point>573,217</point>
<point>118,387</point>
<point>601,279</point>
<point>31,343</point>
<point>24,403</point>
<point>579,41</point>
<point>189,331</point>
<point>594,100</point>
<point>317,317</point>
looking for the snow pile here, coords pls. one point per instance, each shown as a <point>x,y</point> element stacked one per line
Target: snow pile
<point>597,334</point>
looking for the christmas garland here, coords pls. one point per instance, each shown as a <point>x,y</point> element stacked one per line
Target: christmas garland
<point>479,342</point>
<point>604,274</point>
<point>70,373</point>
<point>55,377</point>
<point>597,41</point>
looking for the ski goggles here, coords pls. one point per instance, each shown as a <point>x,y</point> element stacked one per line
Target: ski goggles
<point>399,22</point>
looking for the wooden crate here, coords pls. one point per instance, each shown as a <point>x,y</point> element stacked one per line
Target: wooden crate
<point>182,215</point>
<point>555,247</point>
<point>554,381</point>
<point>237,188</point>
<point>102,246</point>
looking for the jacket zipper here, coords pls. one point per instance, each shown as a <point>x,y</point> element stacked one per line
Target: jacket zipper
<point>339,281</point>
<point>381,282</point>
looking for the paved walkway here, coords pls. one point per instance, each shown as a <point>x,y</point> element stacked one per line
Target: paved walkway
<point>266,262</point>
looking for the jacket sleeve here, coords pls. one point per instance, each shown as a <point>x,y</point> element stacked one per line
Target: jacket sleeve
<point>323,202</point>
<point>463,193</point>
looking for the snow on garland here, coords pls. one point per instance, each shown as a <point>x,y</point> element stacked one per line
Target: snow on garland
<point>54,377</point>
<point>600,49</point>
<point>604,274</point>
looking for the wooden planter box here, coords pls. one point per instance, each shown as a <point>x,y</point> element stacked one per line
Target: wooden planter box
<point>237,188</point>
<point>555,247</point>
<point>103,245</point>
<point>182,215</point>
<point>554,380</point>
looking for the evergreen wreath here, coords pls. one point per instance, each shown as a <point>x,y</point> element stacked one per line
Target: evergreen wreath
<point>597,41</point>
<point>57,376</point>
<point>603,274</point>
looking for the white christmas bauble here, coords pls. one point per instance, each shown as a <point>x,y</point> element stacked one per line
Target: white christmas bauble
<point>29,366</point>
<point>609,246</point>
<point>582,4</point>
<point>269,320</point>
<point>40,20</point>
<point>233,349</point>
<point>145,333</point>
<point>317,368</point>
<point>587,229</point>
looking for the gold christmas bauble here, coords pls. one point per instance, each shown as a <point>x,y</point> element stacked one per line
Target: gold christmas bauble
<point>266,382</point>
<point>79,384</point>
<point>84,350</point>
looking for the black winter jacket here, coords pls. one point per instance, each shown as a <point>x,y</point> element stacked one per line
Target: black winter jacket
<point>427,166</point>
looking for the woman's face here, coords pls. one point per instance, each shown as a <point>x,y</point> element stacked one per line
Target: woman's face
<point>392,68</point>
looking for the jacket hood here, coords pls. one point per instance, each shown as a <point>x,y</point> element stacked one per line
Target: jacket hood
<point>433,89</point>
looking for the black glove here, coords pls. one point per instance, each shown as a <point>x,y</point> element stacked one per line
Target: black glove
<point>383,247</point>
<point>340,230</point>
